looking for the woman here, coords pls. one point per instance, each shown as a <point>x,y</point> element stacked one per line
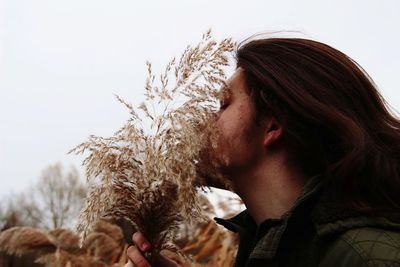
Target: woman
<point>311,148</point>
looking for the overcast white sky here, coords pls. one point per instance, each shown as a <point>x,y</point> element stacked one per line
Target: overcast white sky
<point>62,61</point>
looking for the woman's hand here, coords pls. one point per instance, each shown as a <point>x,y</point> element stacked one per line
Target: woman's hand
<point>166,258</point>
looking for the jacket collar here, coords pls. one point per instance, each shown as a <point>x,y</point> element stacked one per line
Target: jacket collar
<point>331,218</point>
<point>324,215</point>
<point>356,222</point>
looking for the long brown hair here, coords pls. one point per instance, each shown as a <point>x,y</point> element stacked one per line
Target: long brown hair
<point>336,124</point>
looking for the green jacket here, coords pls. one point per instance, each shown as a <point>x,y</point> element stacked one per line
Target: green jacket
<point>316,233</point>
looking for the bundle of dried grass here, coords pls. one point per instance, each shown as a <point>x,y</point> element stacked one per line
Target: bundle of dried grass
<point>147,173</point>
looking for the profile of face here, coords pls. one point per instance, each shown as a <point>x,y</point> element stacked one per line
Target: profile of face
<point>240,139</point>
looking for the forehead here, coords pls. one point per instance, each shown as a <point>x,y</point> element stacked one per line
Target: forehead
<point>236,83</point>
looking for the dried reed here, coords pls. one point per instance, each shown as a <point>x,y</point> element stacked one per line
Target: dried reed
<point>64,239</point>
<point>22,240</point>
<point>60,247</point>
<point>212,246</point>
<point>102,247</point>
<point>148,172</point>
<point>62,258</point>
<point>112,230</point>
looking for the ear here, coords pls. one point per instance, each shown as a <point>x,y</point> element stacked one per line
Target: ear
<point>273,132</point>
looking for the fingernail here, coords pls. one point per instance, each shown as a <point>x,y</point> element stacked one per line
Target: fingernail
<point>145,246</point>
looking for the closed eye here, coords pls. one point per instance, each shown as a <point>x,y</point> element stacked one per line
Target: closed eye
<point>224,104</point>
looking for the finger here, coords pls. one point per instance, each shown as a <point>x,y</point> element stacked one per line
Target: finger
<point>140,241</point>
<point>136,257</point>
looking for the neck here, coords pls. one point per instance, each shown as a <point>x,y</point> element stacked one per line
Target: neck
<point>269,189</point>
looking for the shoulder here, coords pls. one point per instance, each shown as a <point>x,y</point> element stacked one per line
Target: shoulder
<point>365,246</point>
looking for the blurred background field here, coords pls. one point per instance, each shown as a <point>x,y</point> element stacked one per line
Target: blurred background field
<point>37,228</point>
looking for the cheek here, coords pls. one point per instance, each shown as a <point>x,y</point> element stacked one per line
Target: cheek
<point>221,120</point>
<point>225,131</point>
<point>230,126</point>
<point>226,124</point>
<point>223,134</point>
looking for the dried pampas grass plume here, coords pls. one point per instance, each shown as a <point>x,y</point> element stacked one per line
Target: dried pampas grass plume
<point>61,247</point>
<point>23,240</point>
<point>147,172</point>
<point>102,247</point>
<point>64,239</point>
<point>111,230</point>
<point>62,258</point>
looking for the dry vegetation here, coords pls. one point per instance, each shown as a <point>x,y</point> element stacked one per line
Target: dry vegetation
<point>205,243</point>
<point>149,171</point>
<point>61,247</point>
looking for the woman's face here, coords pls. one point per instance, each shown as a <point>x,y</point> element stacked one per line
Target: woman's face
<point>240,139</point>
